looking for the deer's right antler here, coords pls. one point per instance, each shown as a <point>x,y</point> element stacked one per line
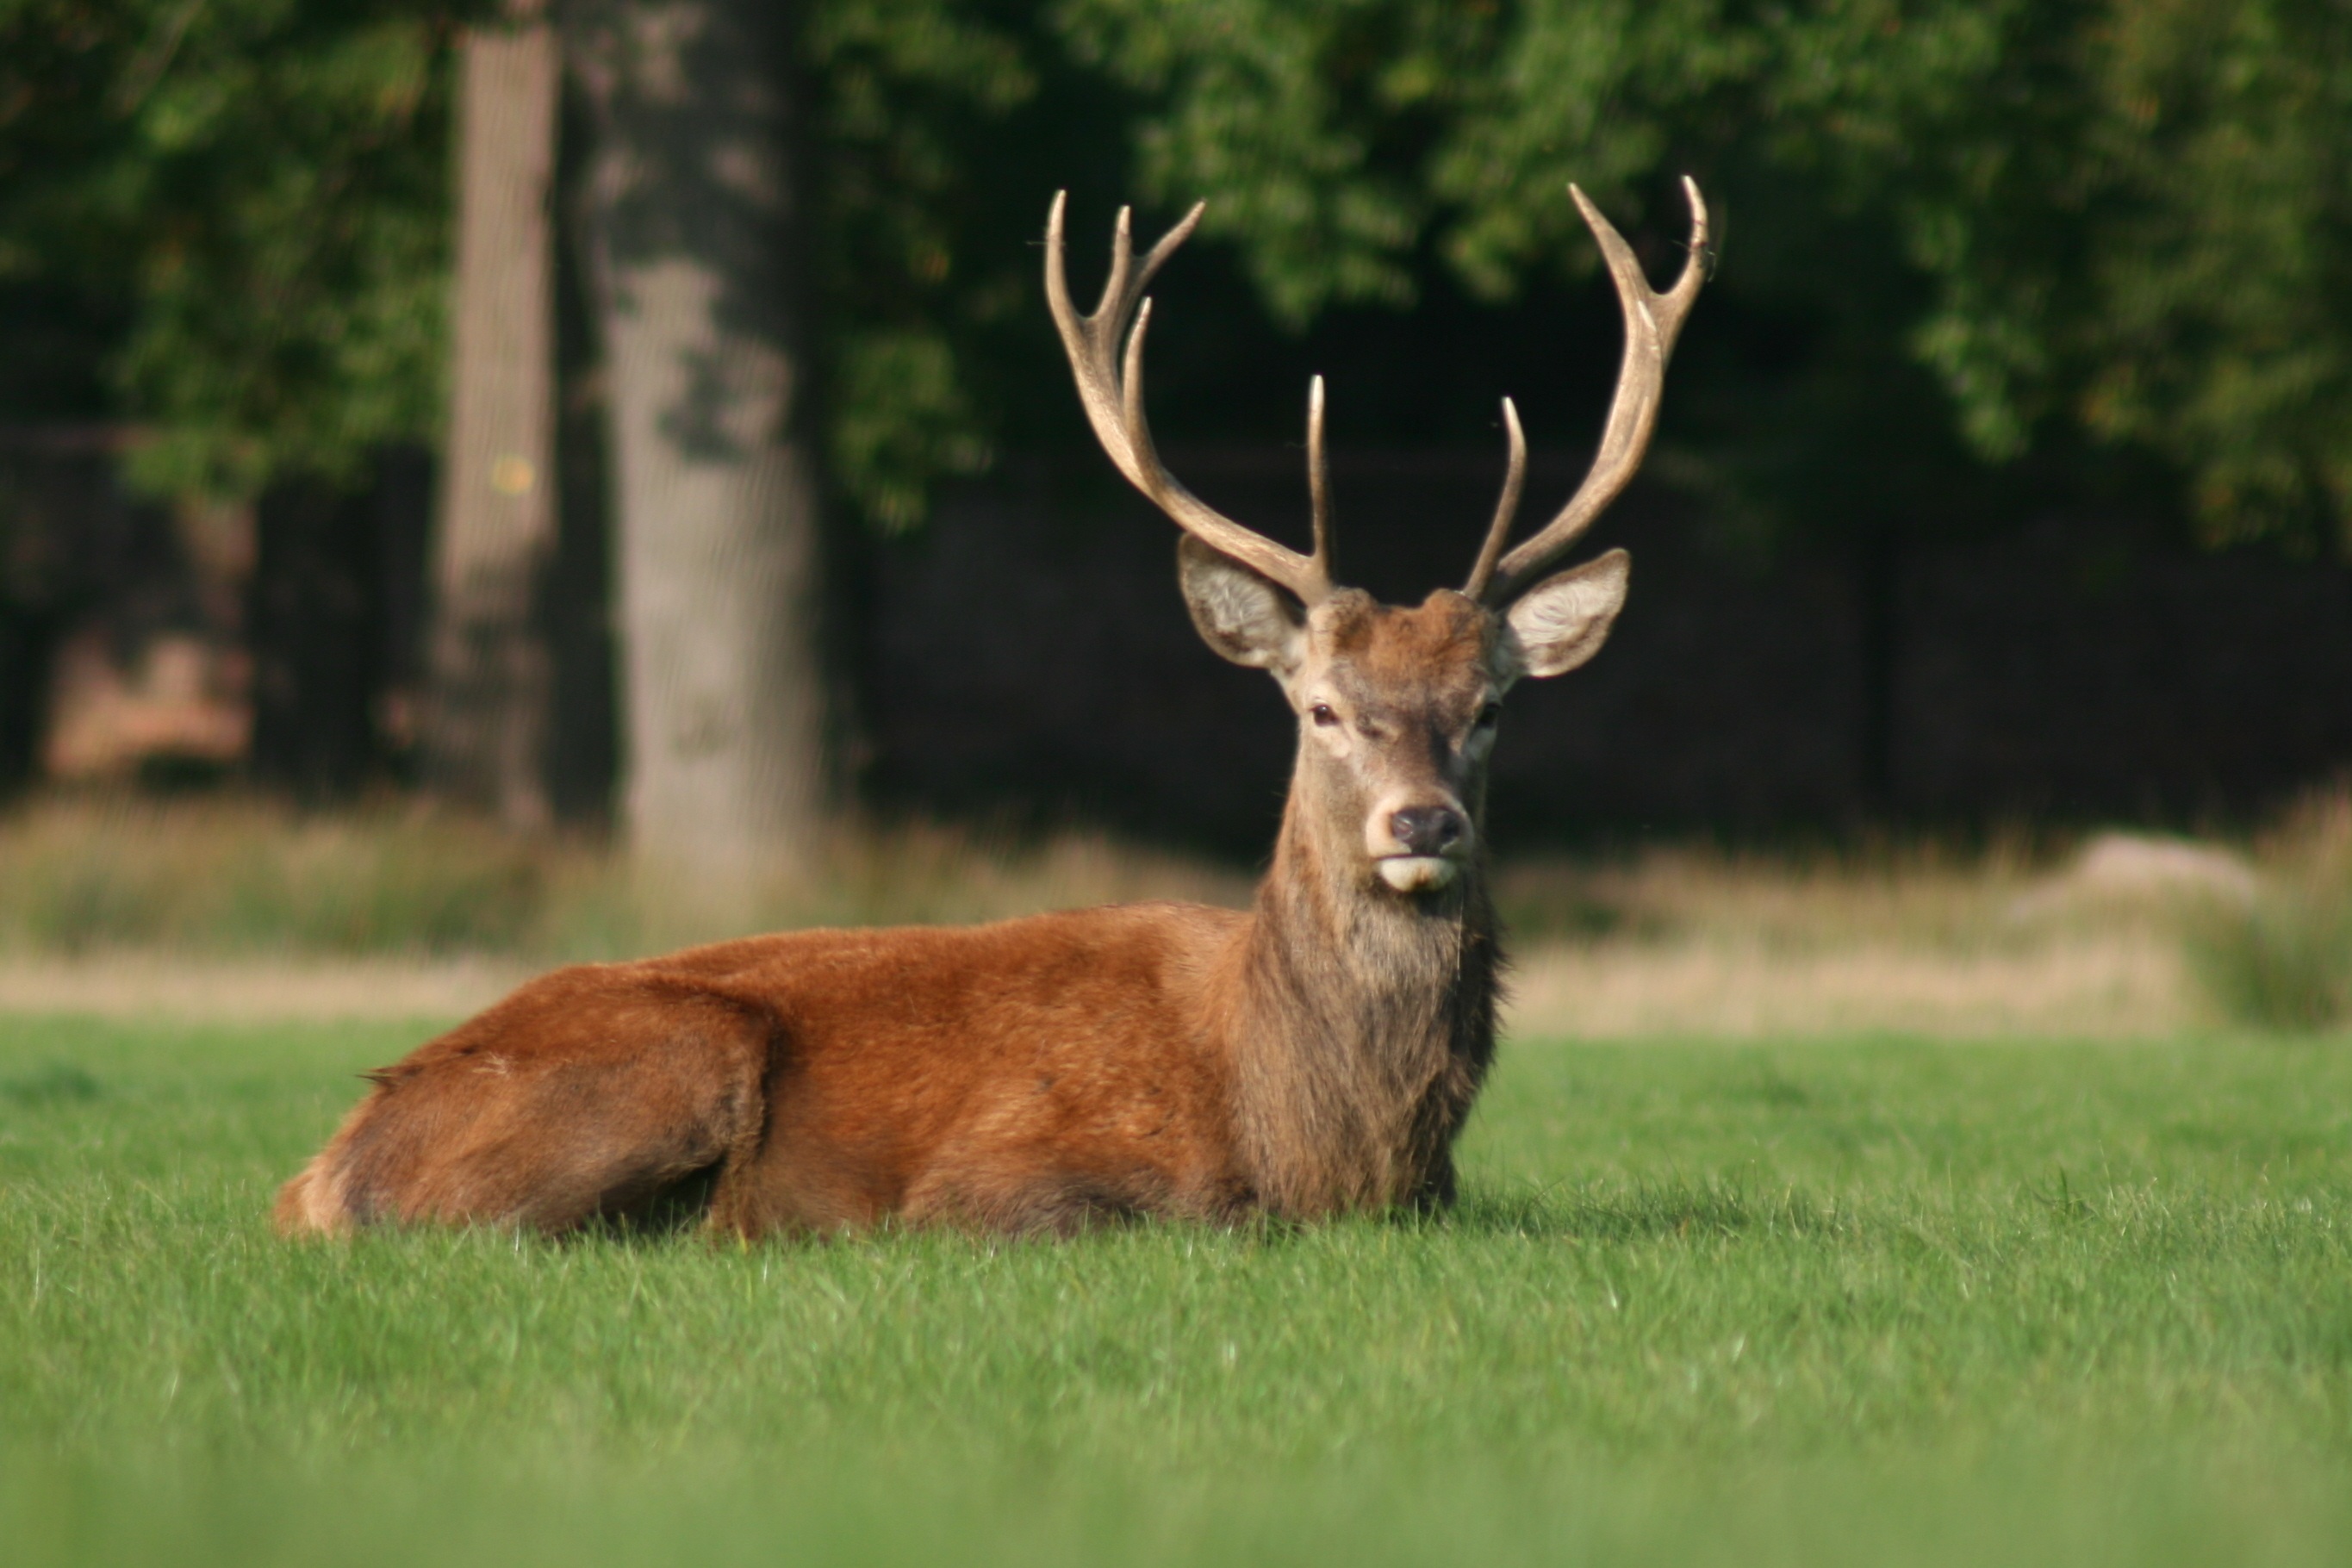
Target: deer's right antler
<point>1111,385</point>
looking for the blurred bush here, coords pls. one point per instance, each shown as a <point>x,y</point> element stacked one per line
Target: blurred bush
<point>2285,960</point>
<point>2285,964</point>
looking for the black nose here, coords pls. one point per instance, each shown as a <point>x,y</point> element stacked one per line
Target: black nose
<point>1428,830</point>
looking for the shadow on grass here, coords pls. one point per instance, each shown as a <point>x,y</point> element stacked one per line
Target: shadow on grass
<point>1644,1211</point>
<point>49,1085</point>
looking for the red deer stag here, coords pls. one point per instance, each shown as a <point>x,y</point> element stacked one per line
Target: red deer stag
<point>1314,1055</point>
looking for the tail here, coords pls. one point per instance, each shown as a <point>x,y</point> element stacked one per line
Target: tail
<point>319,1201</point>
<point>310,1205</point>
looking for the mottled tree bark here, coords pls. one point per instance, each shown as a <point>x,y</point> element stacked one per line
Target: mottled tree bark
<point>488,720</point>
<point>692,239</point>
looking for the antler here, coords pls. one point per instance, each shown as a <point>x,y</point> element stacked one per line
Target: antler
<point>1652,323</point>
<point>1112,391</point>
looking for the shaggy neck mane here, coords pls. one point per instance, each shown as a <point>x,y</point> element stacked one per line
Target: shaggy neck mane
<point>1365,1021</point>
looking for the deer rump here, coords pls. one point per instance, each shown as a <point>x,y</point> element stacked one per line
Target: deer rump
<point>1315,1055</point>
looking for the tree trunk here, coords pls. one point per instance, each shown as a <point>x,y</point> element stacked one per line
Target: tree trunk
<point>693,243</point>
<point>488,718</point>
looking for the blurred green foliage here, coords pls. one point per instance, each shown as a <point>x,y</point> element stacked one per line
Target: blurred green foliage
<point>908,97</point>
<point>257,187</point>
<point>2112,232</point>
<point>2130,223</point>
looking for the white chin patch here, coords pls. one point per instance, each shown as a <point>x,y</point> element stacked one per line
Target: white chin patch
<point>1416,873</point>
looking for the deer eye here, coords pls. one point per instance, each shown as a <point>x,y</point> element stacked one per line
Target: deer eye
<point>1488,716</point>
<point>1321,713</point>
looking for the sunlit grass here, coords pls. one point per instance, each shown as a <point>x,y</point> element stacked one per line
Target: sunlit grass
<point>1799,1303</point>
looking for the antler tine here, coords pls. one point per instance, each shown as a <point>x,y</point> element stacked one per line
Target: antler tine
<point>1507,509</point>
<point>1652,323</point>
<point>1319,474</point>
<point>1111,388</point>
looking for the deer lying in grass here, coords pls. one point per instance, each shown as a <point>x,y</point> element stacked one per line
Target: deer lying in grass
<point>1315,1055</point>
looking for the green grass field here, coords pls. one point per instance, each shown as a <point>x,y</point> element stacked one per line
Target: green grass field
<point>1850,1302</point>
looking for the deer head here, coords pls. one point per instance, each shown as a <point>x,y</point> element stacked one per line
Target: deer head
<point>1396,707</point>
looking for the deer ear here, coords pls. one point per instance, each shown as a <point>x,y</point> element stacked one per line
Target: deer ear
<point>1243,617</point>
<point>1563,620</point>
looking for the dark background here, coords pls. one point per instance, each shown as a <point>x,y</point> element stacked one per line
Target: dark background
<point>1026,658</point>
